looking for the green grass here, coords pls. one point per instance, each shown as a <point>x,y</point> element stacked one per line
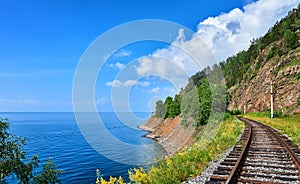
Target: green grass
<point>292,63</point>
<point>289,125</point>
<point>193,159</point>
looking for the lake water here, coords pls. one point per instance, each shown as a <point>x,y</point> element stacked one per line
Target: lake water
<point>57,135</point>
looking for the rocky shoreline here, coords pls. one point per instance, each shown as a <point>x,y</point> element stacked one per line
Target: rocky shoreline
<point>169,133</point>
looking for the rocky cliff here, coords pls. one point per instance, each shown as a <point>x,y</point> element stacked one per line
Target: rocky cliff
<point>169,133</point>
<point>284,71</point>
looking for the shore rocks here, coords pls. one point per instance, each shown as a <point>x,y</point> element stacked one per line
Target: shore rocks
<point>169,133</point>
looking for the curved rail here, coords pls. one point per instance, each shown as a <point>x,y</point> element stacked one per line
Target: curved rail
<point>239,161</point>
<point>233,167</point>
<point>292,154</point>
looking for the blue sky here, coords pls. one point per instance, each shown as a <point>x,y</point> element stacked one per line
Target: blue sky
<point>42,42</point>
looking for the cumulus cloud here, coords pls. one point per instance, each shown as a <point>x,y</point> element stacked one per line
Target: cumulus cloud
<point>117,65</point>
<point>231,32</point>
<point>176,62</point>
<point>128,83</point>
<point>159,66</point>
<point>222,36</point>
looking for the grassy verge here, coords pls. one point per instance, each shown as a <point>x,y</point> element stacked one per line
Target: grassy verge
<point>189,162</point>
<point>289,125</point>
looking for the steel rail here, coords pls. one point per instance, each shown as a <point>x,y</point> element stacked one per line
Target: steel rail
<point>239,162</point>
<point>245,145</point>
<point>285,146</point>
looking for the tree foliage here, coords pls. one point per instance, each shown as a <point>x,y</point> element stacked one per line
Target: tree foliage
<point>174,109</point>
<point>160,109</point>
<point>204,94</point>
<point>190,107</point>
<point>15,164</point>
<point>169,109</point>
<point>168,102</point>
<point>291,39</point>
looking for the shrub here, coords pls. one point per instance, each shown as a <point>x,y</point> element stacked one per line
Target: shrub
<point>234,112</point>
<point>278,114</point>
<point>15,164</point>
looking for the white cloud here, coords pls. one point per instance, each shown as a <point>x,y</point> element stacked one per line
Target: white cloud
<point>223,35</point>
<point>160,66</point>
<point>128,83</point>
<point>154,90</point>
<point>101,101</point>
<point>117,65</point>
<point>19,100</point>
<point>120,65</point>
<point>175,63</point>
<point>123,53</point>
<point>231,32</point>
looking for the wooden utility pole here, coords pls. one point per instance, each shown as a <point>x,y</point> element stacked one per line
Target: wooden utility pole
<point>272,108</point>
<point>244,105</point>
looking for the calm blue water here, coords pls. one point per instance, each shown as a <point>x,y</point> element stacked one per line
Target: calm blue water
<point>57,135</point>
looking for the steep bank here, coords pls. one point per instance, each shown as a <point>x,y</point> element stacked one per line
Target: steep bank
<point>284,71</point>
<point>274,57</point>
<point>169,133</point>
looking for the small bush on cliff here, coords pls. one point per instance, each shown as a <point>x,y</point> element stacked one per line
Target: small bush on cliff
<point>234,112</point>
<point>291,39</point>
<point>272,52</point>
<point>278,114</point>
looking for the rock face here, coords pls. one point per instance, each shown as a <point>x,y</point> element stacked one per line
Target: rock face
<point>151,124</point>
<point>284,72</point>
<point>169,133</point>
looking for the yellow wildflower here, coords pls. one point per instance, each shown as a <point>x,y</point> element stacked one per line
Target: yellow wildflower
<point>120,180</point>
<point>169,161</point>
<point>181,154</point>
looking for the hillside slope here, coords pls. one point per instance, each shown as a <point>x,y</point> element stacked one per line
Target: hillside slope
<point>276,57</point>
<point>284,71</point>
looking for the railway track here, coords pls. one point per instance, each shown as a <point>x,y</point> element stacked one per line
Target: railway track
<point>262,155</point>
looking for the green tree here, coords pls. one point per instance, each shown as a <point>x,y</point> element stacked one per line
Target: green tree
<point>204,102</point>
<point>291,39</point>
<point>175,107</point>
<point>167,104</point>
<point>190,107</point>
<point>15,164</point>
<point>160,109</point>
<point>49,174</point>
